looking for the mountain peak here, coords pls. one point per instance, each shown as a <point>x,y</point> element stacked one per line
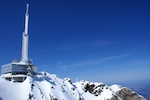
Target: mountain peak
<point>45,86</point>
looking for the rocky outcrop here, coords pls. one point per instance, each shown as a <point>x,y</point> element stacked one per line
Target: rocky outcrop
<point>122,94</point>
<point>94,89</point>
<point>127,94</point>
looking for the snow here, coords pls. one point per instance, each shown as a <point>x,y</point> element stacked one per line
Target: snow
<point>105,94</point>
<point>13,90</point>
<point>45,86</point>
<point>115,88</point>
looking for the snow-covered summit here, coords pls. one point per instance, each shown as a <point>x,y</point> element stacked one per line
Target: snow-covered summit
<point>47,86</point>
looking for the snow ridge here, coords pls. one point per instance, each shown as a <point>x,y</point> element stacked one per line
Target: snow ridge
<point>45,86</point>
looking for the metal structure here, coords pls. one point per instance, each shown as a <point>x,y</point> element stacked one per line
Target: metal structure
<point>25,38</point>
<point>24,66</point>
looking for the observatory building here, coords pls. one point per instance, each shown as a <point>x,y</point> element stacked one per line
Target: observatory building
<point>25,66</point>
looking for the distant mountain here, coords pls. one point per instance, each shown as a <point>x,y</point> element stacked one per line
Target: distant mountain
<point>47,86</point>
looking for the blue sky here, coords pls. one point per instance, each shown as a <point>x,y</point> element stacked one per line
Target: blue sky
<point>104,41</point>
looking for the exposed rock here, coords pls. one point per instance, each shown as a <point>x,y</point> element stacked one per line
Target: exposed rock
<point>127,94</point>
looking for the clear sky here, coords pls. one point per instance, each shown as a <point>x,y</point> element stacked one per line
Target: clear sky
<point>95,40</point>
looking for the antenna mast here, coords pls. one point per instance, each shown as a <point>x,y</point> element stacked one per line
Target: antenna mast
<point>25,38</point>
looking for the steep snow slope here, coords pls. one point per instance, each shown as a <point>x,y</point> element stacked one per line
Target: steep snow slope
<point>47,86</point>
